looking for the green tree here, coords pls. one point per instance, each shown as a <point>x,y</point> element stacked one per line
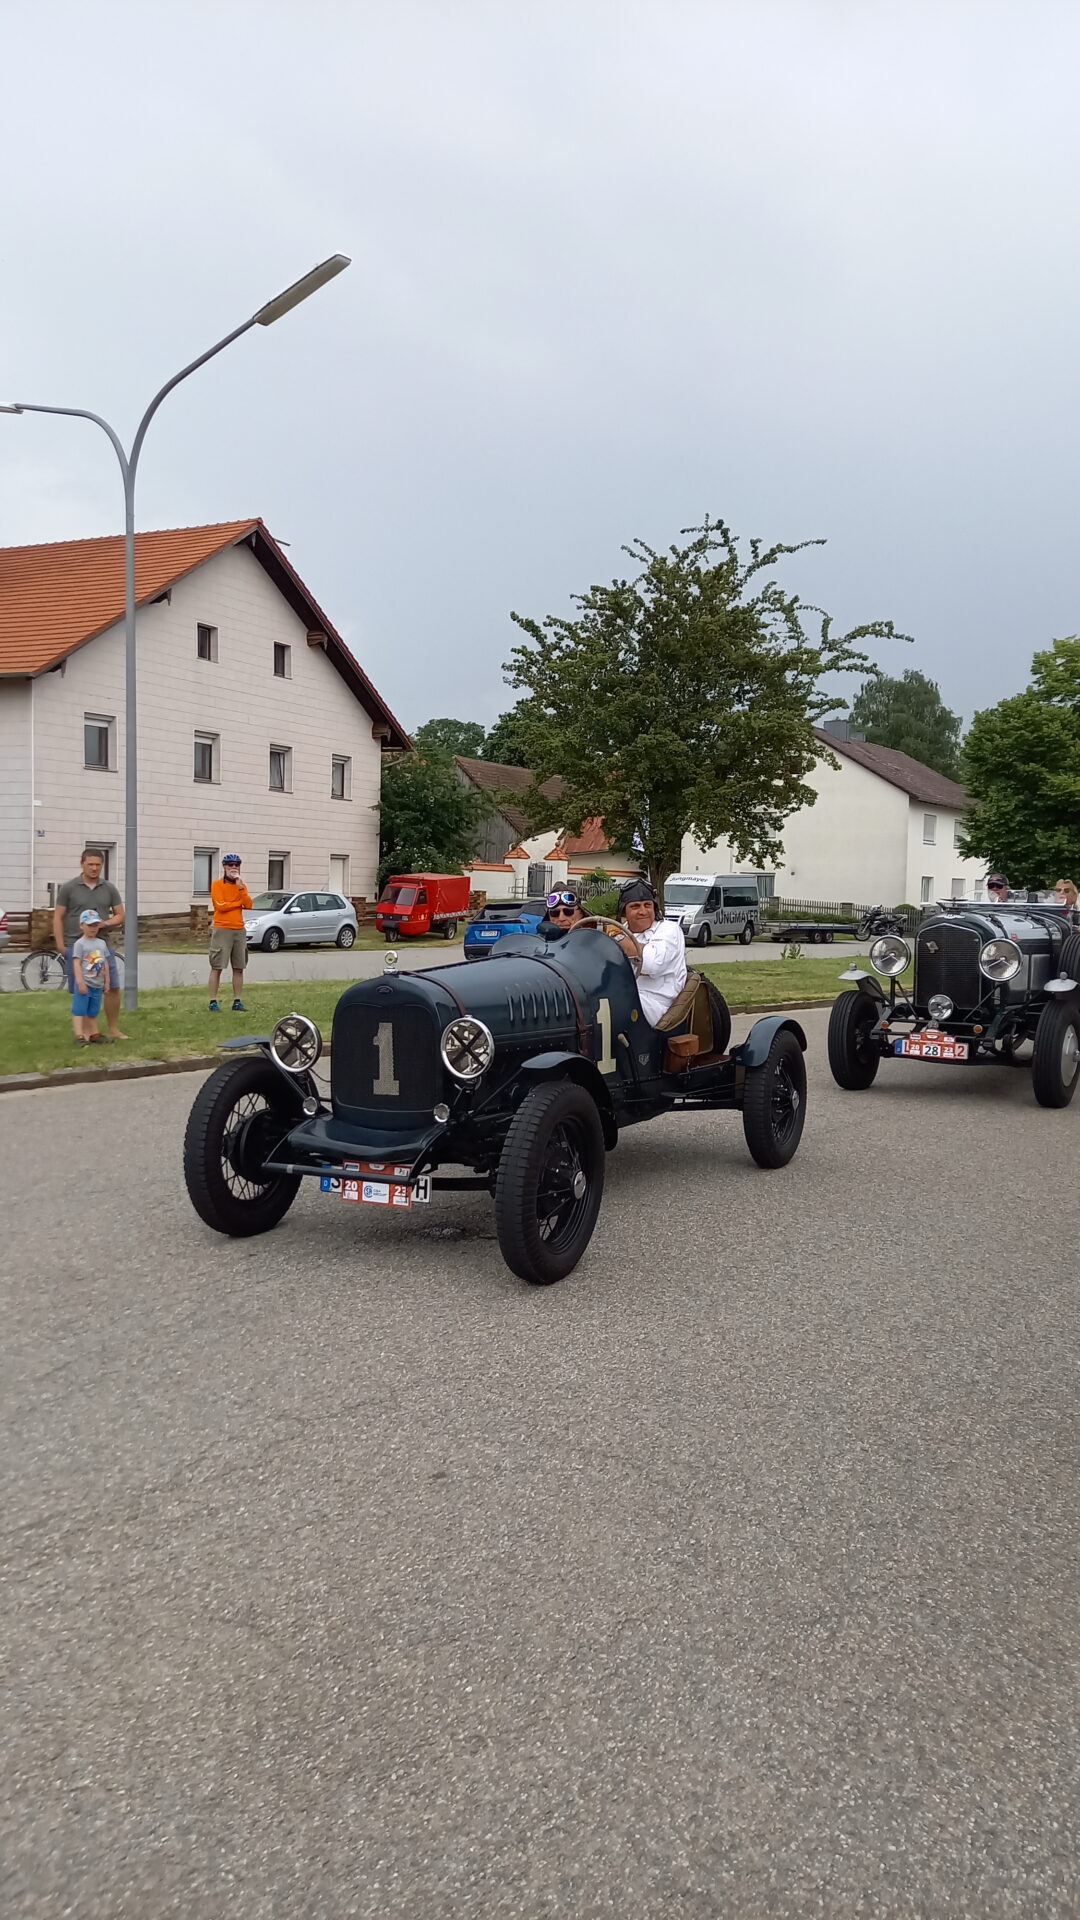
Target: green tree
<point>506,741</point>
<point>450,737</point>
<point>1021,764</point>
<point>907,712</point>
<point>427,818</point>
<point>683,700</point>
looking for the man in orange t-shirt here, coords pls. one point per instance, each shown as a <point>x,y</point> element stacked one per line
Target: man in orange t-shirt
<point>228,935</point>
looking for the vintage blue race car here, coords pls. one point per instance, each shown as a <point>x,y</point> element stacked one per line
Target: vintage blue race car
<point>515,1078</point>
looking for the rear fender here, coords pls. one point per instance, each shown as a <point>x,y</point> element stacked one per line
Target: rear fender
<point>754,1050</point>
<point>572,1066</point>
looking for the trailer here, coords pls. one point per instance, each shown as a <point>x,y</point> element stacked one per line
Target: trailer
<point>816,932</point>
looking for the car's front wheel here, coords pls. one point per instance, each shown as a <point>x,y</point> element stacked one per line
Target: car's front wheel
<point>747,934</point>
<point>346,936</point>
<point>854,1057</point>
<point>774,1102</point>
<point>273,940</point>
<point>239,1119</point>
<point>550,1182</point>
<point>1055,1064</point>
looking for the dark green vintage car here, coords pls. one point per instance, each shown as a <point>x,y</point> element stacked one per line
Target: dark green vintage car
<point>994,985</point>
<point>515,1078</point>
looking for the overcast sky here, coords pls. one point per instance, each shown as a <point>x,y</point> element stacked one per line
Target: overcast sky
<point>810,265</point>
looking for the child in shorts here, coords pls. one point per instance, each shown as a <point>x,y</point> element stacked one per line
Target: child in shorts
<point>89,965</point>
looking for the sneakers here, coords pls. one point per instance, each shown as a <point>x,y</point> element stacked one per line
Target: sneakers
<point>238,1006</point>
<point>214,1007</point>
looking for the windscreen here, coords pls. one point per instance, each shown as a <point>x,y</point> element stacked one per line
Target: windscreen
<point>683,894</point>
<point>269,902</point>
<point>398,897</point>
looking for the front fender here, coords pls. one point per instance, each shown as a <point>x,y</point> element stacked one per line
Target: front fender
<point>754,1050</point>
<point>572,1066</point>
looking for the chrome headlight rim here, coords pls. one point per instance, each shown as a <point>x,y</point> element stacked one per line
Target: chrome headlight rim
<point>295,1034</point>
<point>467,1048</point>
<point>1006,954</point>
<point>940,1006</point>
<point>892,947</point>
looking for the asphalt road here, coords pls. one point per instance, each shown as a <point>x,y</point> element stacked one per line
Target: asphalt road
<point>739,1575</point>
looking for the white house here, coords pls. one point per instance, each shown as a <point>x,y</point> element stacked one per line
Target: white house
<point>883,828</point>
<point>259,733</point>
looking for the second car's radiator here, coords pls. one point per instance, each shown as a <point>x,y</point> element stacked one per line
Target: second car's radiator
<point>947,961</point>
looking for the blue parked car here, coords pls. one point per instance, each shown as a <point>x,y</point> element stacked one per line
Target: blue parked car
<point>499,918</point>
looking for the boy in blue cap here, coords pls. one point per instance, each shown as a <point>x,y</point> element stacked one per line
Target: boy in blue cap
<point>89,965</point>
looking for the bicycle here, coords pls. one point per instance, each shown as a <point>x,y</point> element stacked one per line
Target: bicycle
<point>44,970</point>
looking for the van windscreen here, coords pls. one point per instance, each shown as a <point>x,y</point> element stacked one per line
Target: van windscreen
<point>685,894</point>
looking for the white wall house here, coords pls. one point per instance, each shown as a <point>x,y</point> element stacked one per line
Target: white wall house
<point>883,828</point>
<point>259,733</point>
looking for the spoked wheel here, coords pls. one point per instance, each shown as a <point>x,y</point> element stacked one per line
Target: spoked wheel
<point>237,1122</point>
<point>774,1102</point>
<point>273,940</point>
<point>550,1182</point>
<point>853,1056</point>
<point>1055,1065</point>
<point>40,971</point>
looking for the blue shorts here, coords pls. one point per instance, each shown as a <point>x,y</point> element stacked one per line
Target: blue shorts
<point>111,983</point>
<point>87,1003</point>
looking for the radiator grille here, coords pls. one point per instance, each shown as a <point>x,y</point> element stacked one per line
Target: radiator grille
<point>384,1057</point>
<point>947,961</point>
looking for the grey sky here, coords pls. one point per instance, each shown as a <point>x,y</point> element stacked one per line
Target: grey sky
<point>810,266</point>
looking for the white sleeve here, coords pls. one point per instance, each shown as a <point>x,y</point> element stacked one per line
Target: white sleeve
<point>661,949</point>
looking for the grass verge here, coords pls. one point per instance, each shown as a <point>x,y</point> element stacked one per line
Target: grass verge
<point>35,1028</point>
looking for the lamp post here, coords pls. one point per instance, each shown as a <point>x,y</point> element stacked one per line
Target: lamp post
<point>265,317</point>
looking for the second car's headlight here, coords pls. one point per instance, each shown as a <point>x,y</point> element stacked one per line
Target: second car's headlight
<point>889,955</point>
<point>467,1048</point>
<point>1000,960</point>
<point>296,1043</point>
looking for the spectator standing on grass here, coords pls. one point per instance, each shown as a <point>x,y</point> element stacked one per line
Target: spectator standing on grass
<point>228,935</point>
<point>87,975</point>
<point>72,899</point>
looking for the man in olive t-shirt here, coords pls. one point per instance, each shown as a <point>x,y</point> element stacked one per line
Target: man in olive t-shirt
<point>90,890</point>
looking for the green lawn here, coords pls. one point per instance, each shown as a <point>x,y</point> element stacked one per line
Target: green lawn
<point>35,1028</point>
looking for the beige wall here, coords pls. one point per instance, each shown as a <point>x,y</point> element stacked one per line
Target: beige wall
<point>851,845</point>
<point>940,863</point>
<point>16,811</point>
<point>236,697</point>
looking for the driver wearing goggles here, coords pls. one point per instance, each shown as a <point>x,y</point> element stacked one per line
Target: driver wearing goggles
<point>564,910</point>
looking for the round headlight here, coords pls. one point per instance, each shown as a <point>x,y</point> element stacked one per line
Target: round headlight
<point>1000,960</point>
<point>889,955</point>
<point>296,1043</point>
<point>467,1048</point>
<point>939,1006</point>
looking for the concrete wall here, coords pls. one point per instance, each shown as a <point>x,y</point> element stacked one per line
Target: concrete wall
<point>236,697</point>
<point>16,811</point>
<point>852,844</point>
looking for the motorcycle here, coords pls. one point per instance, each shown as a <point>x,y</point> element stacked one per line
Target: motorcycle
<point>877,921</point>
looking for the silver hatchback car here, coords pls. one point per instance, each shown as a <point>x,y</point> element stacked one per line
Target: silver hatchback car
<point>300,920</point>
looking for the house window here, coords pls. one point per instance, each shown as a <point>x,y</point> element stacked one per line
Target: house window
<point>204,866</point>
<point>281,769</point>
<point>206,642</point>
<point>99,741</point>
<point>277,872</point>
<point>206,756</point>
<point>926,888</point>
<point>340,777</point>
<point>929,829</point>
<point>282,661</point>
<point>956,830</point>
<point>958,889</point>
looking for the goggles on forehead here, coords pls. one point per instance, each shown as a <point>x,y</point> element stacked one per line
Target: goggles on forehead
<point>562,900</point>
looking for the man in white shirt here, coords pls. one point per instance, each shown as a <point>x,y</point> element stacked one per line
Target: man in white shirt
<point>655,948</point>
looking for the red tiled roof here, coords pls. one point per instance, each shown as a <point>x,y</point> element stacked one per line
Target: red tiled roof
<point>900,770</point>
<point>56,597</point>
<point>591,839</point>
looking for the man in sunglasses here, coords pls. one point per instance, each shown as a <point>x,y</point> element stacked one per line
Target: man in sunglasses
<point>564,910</point>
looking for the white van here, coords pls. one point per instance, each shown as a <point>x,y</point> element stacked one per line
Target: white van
<point>713,906</point>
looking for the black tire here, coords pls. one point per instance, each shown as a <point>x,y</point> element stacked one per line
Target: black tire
<point>389,938</point>
<point>554,1138</point>
<point>721,1019</point>
<point>828,938</point>
<point>449,932</point>
<point>852,1060</point>
<point>273,940</point>
<point>346,937</point>
<point>1070,957</point>
<point>747,934</point>
<point>704,936</point>
<point>1055,1065</point>
<point>774,1102</point>
<point>223,1122</point>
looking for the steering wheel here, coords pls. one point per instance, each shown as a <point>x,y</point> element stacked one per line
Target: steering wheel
<point>603,923</point>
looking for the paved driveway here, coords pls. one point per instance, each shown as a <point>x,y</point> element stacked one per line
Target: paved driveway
<point>737,1576</point>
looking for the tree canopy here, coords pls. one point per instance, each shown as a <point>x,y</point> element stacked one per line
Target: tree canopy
<point>506,739</point>
<point>427,817</point>
<point>1021,764</point>
<point>448,737</point>
<point>907,712</point>
<point>682,700</point>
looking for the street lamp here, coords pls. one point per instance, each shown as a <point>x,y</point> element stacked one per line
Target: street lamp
<point>265,317</point>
